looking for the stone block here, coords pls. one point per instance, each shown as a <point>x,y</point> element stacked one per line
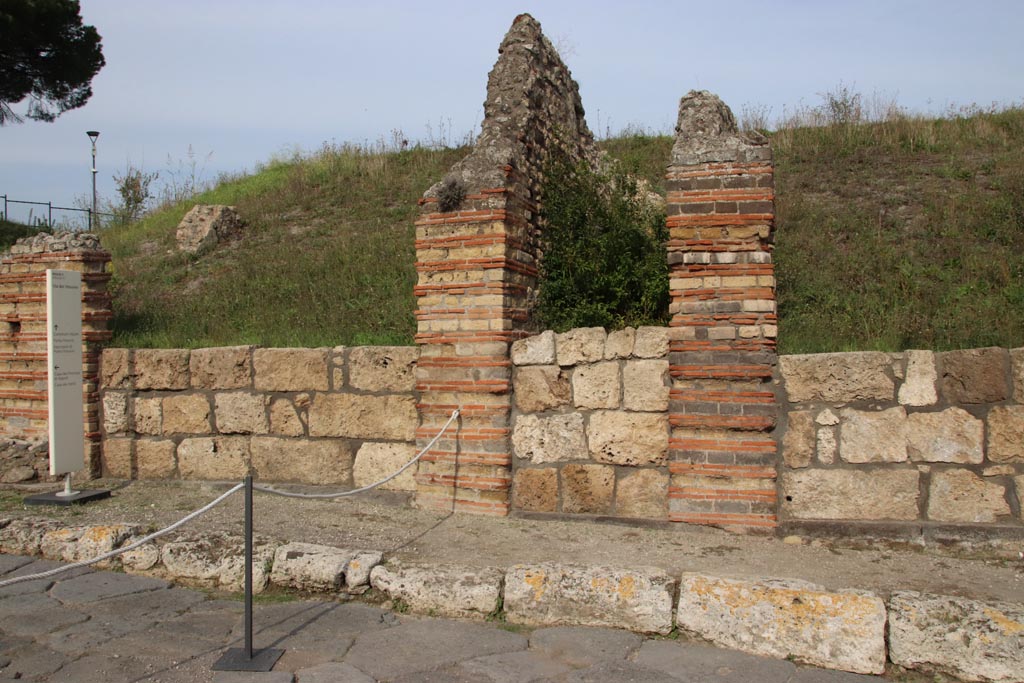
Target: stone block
<point>651,342</point>
<point>540,387</point>
<point>376,461</point>
<point>786,619</point>
<point>24,536</point>
<point>154,459</point>
<point>115,412</point>
<point>597,385</point>
<point>798,441</point>
<point>224,367</point>
<point>837,377</point>
<point>301,460</point>
<point>216,561</point>
<point>383,368</point>
<point>535,489</point>
<point>537,350</point>
<point>310,567</point>
<point>224,458</point>
<point>549,594</point>
<point>74,544</point>
<point>290,369</point>
<point>952,435</point>
<point>623,438</point>
<point>444,590</point>
<point>827,445</point>
<point>1017,368</point>
<point>969,639</point>
<point>1018,485</point>
<point>161,369</point>
<point>241,412</point>
<point>918,387</point>
<point>115,369</point>
<point>186,414</point>
<point>873,435</point>
<point>556,438</point>
<point>582,345</point>
<point>587,489</point>
<point>975,375</point>
<point>1006,434</point>
<point>642,494</point>
<point>146,415</point>
<point>357,572</point>
<point>643,385</point>
<point>619,344</point>
<point>117,458</point>
<point>285,418</point>
<point>962,496</point>
<point>851,494</point>
<point>361,416</point>
<point>826,418</point>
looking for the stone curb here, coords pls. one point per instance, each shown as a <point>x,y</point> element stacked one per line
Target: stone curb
<point>845,630</point>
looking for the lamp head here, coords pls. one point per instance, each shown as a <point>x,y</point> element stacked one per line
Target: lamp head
<point>93,134</point>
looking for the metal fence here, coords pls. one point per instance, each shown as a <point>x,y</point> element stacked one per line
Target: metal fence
<point>45,219</point>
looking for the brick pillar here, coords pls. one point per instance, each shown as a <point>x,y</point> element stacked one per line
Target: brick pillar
<point>23,393</point>
<point>721,219</point>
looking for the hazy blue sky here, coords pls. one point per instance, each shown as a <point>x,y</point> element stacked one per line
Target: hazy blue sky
<point>243,80</point>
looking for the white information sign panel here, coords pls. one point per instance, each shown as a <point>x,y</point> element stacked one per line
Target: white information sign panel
<point>64,370</point>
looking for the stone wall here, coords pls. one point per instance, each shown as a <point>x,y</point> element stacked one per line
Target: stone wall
<point>903,440</point>
<point>343,416</point>
<point>590,427</point>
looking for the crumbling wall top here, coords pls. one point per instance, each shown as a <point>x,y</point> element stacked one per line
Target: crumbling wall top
<point>706,132</point>
<point>62,241</point>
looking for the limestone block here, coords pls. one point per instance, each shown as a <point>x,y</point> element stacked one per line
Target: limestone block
<point>557,438</point>
<point>301,460</point>
<point>952,435</point>
<point>285,419</point>
<point>549,594</point>
<point>226,367</point>
<point>798,442</point>
<point>962,496</point>
<point>115,369</point>
<point>361,416</point>
<point>918,388</point>
<point>383,368</point>
<point>837,377</point>
<point>186,414</point>
<point>540,387</point>
<point>146,414</point>
<point>842,630</point>
<point>117,458</point>
<point>535,489</point>
<point>310,567</point>
<point>141,559</point>
<point>1018,484</point>
<point>192,561</point>
<point>161,369</point>
<point>154,459</point>
<point>115,412</point>
<point>358,569</point>
<point>827,446</point>
<point>376,461</point>
<point>290,369</point>
<point>827,418</point>
<point>582,345</point>
<point>232,574</point>
<point>444,590</point>
<point>241,412</point>
<point>1017,366</point>
<point>642,494</point>
<point>651,342</point>
<point>224,458</point>
<point>643,385</point>
<point>1006,434</point>
<point>205,225</point>
<point>24,536</point>
<point>975,375</point>
<point>73,544</point>
<point>215,561</point>
<point>622,438</point>
<point>596,385</point>
<point>969,639</point>
<point>536,350</point>
<point>619,344</point>
<point>587,489</point>
<point>873,435</point>
<point>851,494</point>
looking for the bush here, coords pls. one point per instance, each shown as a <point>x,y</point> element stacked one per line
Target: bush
<point>604,260</point>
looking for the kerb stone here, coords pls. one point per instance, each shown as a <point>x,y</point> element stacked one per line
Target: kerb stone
<point>309,566</point>
<point>446,590</point>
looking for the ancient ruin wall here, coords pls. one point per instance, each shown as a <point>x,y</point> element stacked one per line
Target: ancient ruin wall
<point>23,386</point>
<point>477,264</point>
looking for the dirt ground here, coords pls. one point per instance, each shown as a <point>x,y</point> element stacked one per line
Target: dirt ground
<point>386,522</point>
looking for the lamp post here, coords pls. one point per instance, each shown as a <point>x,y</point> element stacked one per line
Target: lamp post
<point>93,134</point>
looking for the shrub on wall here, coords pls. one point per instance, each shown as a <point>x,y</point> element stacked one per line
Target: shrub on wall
<point>603,246</point>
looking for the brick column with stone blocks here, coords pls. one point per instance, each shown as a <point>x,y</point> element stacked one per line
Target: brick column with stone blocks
<point>721,216</point>
<point>476,242</point>
<point>23,393</point>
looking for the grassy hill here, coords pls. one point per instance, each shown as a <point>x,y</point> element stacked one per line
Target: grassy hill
<point>904,233</point>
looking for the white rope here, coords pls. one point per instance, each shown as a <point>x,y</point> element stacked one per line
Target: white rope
<point>403,468</point>
<point>133,546</point>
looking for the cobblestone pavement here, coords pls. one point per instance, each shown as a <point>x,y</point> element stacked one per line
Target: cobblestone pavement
<point>90,625</point>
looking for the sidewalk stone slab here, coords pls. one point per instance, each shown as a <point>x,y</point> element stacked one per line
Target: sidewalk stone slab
<point>691,661</point>
<point>445,590</point>
<point>580,646</point>
<point>515,667</point>
<point>970,639</point>
<point>8,563</point>
<point>253,677</point>
<point>102,585</point>
<point>550,594</point>
<point>332,672</point>
<point>618,673</point>
<point>836,630</point>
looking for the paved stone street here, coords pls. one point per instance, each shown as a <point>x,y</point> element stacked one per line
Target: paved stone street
<point>103,626</point>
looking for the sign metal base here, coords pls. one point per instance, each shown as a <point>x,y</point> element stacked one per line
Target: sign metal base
<point>59,498</point>
<point>237,659</point>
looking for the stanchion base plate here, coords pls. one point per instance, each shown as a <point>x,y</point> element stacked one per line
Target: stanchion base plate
<point>235,660</point>
<point>57,498</point>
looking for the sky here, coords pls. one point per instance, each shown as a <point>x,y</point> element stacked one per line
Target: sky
<point>231,84</point>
